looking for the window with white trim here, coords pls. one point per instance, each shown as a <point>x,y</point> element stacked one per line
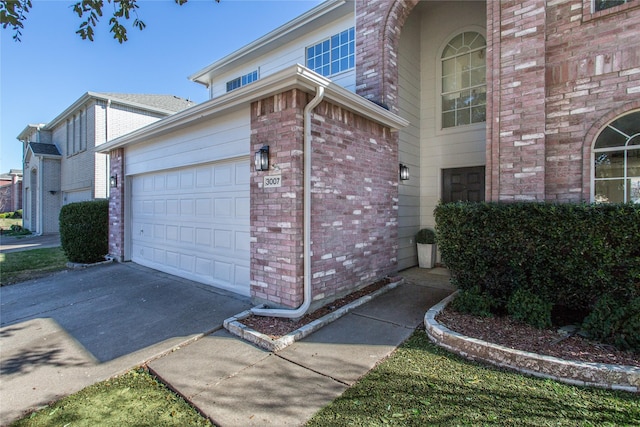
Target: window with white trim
<point>333,55</point>
<point>464,85</point>
<point>599,5</point>
<point>616,154</point>
<point>238,82</point>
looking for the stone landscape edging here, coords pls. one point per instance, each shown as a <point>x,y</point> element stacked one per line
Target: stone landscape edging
<point>236,327</point>
<point>615,377</point>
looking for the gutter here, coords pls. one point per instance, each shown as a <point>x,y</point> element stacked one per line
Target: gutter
<point>306,302</point>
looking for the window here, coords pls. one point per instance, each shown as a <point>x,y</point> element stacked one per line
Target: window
<point>76,133</point>
<point>616,154</point>
<point>333,55</point>
<point>242,81</point>
<point>599,5</point>
<point>464,87</point>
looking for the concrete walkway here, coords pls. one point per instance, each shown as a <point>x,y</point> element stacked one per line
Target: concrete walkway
<point>63,333</point>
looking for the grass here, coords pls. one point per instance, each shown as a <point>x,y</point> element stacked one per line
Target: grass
<point>422,384</point>
<point>5,226</point>
<point>20,266</point>
<point>133,399</point>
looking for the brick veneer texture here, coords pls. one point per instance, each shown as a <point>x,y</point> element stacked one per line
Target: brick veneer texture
<point>354,202</point>
<point>116,206</point>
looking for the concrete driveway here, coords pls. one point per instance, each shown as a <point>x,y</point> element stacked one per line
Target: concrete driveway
<point>64,332</point>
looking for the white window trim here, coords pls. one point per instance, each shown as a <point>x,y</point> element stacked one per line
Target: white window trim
<point>439,130</point>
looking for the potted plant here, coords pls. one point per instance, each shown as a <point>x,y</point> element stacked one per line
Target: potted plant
<point>426,242</point>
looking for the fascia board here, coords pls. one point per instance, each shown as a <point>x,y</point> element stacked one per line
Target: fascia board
<point>279,35</point>
<point>295,77</point>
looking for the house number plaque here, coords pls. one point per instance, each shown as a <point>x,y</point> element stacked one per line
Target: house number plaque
<point>273,181</point>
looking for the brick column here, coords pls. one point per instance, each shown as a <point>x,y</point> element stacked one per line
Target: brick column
<point>277,213</point>
<point>378,27</point>
<point>516,106</point>
<point>116,206</point>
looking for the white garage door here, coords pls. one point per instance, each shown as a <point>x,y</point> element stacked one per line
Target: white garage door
<point>193,222</point>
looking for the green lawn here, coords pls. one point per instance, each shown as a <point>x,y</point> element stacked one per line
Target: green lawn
<point>134,399</point>
<point>20,266</point>
<point>424,385</point>
<point>418,385</point>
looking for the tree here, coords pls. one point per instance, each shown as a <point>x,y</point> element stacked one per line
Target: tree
<point>13,14</point>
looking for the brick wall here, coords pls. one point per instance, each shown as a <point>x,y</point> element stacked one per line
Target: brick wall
<point>593,76</point>
<point>116,206</point>
<point>378,27</point>
<point>354,202</point>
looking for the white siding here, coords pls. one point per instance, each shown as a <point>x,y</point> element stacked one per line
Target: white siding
<point>409,92</point>
<point>287,55</point>
<point>458,147</point>
<point>219,138</point>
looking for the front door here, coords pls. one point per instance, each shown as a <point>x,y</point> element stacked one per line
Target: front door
<point>463,184</point>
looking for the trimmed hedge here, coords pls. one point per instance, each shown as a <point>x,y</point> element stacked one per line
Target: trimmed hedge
<point>529,257</point>
<point>84,231</point>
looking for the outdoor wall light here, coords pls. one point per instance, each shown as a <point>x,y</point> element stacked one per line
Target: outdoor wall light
<point>262,159</point>
<point>113,181</point>
<point>404,172</point>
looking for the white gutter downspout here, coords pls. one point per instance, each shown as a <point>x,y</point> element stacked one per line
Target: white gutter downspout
<point>306,302</point>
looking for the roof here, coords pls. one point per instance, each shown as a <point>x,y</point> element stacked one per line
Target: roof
<point>315,18</point>
<point>294,77</point>
<point>41,149</point>
<point>161,104</point>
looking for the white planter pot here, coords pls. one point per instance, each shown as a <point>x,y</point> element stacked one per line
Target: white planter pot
<point>426,255</point>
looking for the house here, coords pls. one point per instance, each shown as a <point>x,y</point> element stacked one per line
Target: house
<point>60,158</point>
<point>527,100</point>
<point>11,191</point>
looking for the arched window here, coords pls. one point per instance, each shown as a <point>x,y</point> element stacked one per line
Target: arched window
<point>464,85</point>
<point>616,154</point>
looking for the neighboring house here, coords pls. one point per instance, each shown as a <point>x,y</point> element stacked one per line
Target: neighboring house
<point>60,159</point>
<point>11,191</point>
<point>527,100</point>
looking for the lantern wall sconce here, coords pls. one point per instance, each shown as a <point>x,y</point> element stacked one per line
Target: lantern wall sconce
<point>262,159</point>
<point>404,172</point>
<point>113,181</point>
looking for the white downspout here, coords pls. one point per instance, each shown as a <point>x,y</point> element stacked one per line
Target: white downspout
<point>306,302</point>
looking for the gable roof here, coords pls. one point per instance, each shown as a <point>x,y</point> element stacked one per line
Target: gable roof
<point>315,18</point>
<point>161,104</point>
<point>41,149</point>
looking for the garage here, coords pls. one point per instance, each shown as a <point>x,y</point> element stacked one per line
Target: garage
<point>193,222</point>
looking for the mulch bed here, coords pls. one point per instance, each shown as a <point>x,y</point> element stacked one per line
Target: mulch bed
<point>277,327</point>
<point>513,334</point>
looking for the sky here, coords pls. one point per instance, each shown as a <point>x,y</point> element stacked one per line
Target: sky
<point>52,66</point>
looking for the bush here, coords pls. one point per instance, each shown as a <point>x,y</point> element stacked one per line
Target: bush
<point>426,236</point>
<point>566,254</point>
<point>17,214</point>
<point>530,308</point>
<point>473,301</point>
<point>615,321</point>
<point>84,231</point>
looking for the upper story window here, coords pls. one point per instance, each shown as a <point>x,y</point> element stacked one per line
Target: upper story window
<point>464,86</point>
<point>242,81</point>
<point>77,133</point>
<point>333,55</point>
<point>616,154</point>
<point>599,5</point>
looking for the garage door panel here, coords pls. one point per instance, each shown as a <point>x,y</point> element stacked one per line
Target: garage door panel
<point>194,223</point>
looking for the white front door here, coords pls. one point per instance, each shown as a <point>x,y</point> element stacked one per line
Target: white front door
<point>193,222</point>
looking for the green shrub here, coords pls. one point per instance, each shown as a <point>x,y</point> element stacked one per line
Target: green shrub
<point>568,255</point>
<point>529,308</point>
<point>615,321</point>
<point>473,301</point>
<point>17,214</point>
<point>84,231</point>
<point>426,236</point>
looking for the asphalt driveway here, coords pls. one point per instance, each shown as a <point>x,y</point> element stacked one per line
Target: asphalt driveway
<point>66,331</point>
